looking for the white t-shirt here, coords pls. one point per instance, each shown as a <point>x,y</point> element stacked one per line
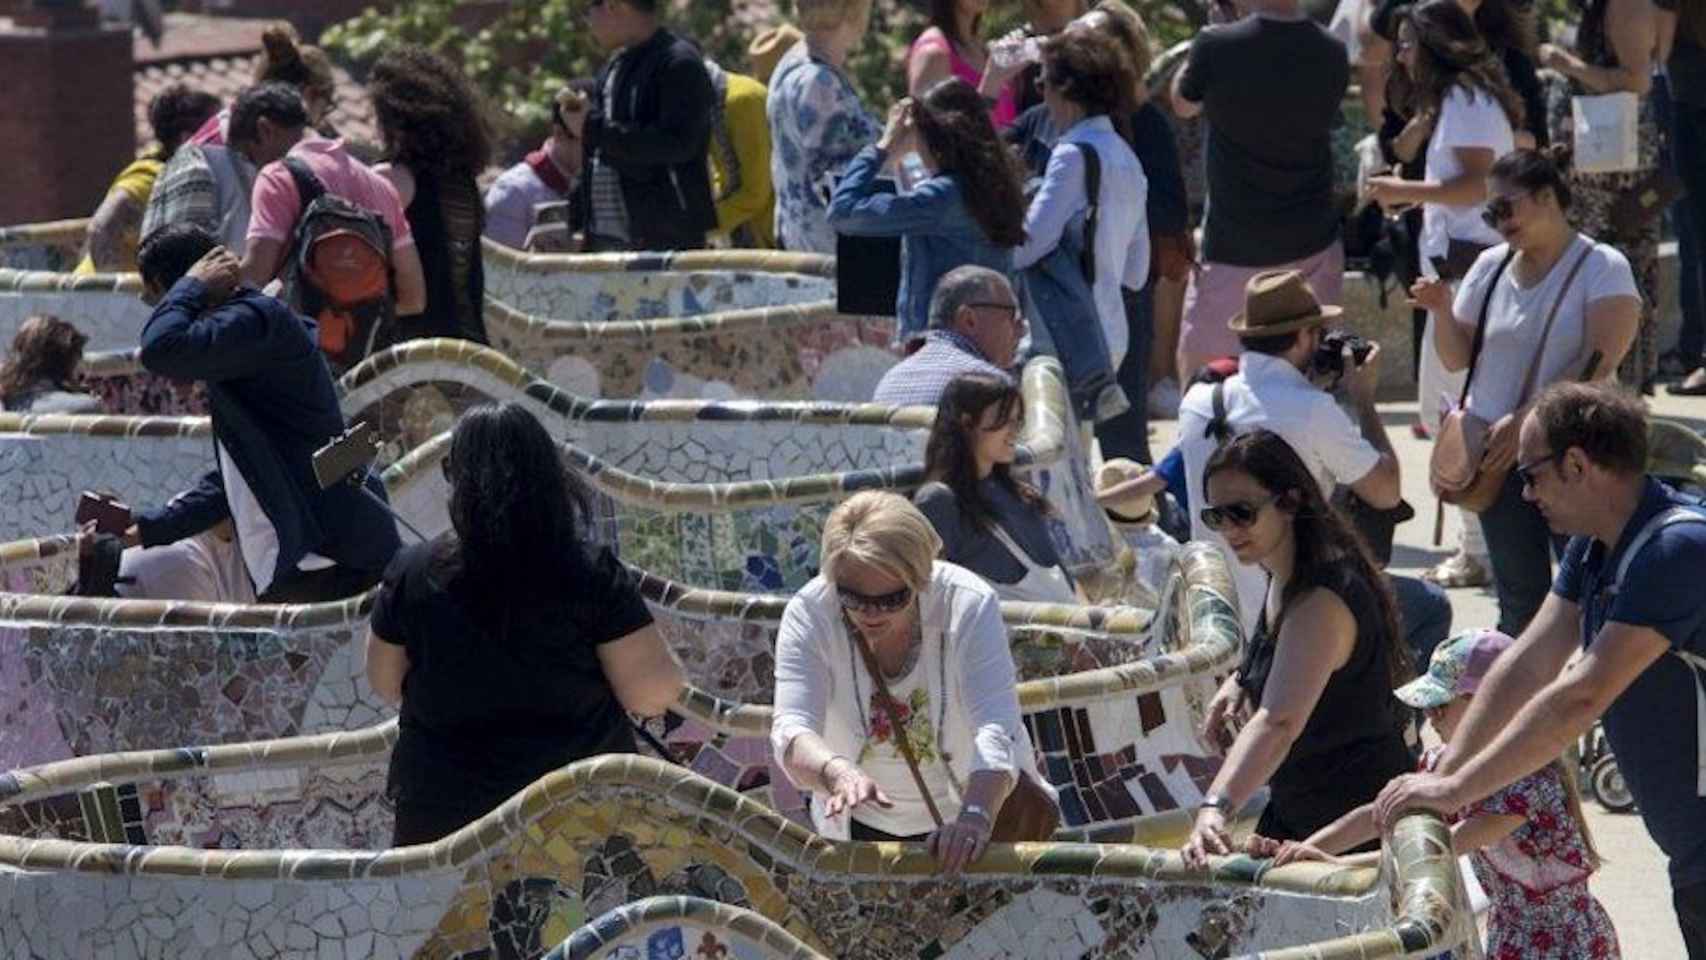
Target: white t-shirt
<point>1466,119</point>
<point>1271,393</point>
<point>882,760</point>
<point>1517,315</point>
<point>256,538</point>
<point>509,205</point>
<point>201,568</point>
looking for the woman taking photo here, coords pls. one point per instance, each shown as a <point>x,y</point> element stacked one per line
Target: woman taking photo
<point>817,123</point>
<point>514,644</point>
<point>1086,80</point>
<point>1323,734</point>
<point>934,632</point>
<point>1553,298</point>
<point>970,210</point>
<point>952,46</point>
<point>436,143</point>
<point>991,522</point>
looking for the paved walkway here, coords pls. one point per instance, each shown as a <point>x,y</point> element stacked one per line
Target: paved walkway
<point>1632,884</point>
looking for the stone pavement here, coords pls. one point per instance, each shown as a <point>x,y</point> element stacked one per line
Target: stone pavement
<point>1632,883</point>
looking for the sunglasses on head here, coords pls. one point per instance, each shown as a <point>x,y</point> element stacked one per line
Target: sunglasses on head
<point>867,603</point>
<point>1238,513</point>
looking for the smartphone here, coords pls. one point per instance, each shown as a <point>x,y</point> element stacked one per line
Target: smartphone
<point>109,514</point>
<point>346,456</point>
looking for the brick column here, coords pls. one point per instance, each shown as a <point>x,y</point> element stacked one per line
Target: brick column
<point>69,124</point>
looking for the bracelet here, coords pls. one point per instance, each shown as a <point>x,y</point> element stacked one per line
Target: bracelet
<point>979,812</point>
<point>823,769</point>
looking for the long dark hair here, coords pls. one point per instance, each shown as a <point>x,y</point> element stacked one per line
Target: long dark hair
<point>948,457</point>
<point>1328,547</point>
<point>944,16</point>
<point>429,114</point>
<point>1452,52</point>
<point>954,124</point>
<point>519,514</point>
<point>44,348</point>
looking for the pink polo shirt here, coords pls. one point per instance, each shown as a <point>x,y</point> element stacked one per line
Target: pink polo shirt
<point>275,204</point>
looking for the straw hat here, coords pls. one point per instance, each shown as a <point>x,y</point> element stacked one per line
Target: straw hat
<point>1279,301</point>
<point>768,47</point>
<point>1132,508</point>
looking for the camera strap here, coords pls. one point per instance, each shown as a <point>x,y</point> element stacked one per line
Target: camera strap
<point>1217,427</point>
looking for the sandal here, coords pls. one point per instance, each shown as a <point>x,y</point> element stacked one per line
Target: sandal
<point>1458,570</point>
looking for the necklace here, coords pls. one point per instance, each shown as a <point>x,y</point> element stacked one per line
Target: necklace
<point>914,647</point>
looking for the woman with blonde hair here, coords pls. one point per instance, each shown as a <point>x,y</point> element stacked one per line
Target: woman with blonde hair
<point>817,123</point>
<point>933,631</point>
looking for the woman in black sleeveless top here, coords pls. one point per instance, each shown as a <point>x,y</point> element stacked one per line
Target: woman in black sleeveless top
<point>1320,669</point>
<point>436,142</point>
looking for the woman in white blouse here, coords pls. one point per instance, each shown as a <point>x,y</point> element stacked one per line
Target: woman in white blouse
<point>936,634</point>
<point>1452,81</point>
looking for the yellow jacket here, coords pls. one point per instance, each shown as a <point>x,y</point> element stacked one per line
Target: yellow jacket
<point>744,196</point>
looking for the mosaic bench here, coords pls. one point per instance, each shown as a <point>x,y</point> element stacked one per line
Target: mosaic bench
<point>603,833</point>
<point>688,927</point>
<point>814,452</point>
<point>1113,696</point>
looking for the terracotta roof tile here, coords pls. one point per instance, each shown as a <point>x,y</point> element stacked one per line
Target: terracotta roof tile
<point>217,54</point>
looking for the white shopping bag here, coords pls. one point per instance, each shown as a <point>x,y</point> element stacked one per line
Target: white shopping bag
<point>1605,128</point>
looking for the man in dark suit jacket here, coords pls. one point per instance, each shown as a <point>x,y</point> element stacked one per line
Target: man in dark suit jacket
<point>273,404</point>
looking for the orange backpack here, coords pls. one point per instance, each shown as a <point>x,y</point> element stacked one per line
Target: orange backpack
<point>339,269</point>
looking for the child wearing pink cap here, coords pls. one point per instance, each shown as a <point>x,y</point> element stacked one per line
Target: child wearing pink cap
<point>1528,843</point>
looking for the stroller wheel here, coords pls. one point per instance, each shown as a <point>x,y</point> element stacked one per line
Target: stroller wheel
<point>1608,786</point>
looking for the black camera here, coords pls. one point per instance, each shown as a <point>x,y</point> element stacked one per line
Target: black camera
<point>1329,359</point>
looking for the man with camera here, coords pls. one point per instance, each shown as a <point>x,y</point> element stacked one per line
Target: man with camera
<point>273,404</point>
<point>1288,373</point>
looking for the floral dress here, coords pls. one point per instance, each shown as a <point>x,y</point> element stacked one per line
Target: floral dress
<point>817,124</point>
<point>1537,878</point>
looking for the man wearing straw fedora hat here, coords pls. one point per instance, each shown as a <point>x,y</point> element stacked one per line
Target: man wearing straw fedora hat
<point>1280,328</point>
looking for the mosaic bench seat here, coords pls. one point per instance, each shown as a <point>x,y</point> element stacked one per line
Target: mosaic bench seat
<point>694,449</point>
<point>688,927</point>
<point>1113,696</point>
<point>611,831</point>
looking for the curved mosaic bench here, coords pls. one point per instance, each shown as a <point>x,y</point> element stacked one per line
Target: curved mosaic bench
<point>689,446</point>
<point>688,927</point>
<point>610,831</point>
<point>1113,696</point>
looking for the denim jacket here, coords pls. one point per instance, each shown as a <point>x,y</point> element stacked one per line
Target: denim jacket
<point>937,232</point>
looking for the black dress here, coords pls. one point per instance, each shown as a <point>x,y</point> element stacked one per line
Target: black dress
<point>1352,745</point>
<point>447,218</point>
<point>490,706</point>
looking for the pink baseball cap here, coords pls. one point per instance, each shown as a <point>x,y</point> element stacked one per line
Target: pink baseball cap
<point>1457,667</point>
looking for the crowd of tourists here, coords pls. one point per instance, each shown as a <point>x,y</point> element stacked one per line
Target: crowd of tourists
<point>1033,192</point>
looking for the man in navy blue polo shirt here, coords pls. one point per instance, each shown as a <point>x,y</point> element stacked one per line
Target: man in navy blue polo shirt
<point>1629,595</point>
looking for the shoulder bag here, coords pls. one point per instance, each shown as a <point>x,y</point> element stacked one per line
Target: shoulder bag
<point>1028,814</point>
<point>1455,467</point>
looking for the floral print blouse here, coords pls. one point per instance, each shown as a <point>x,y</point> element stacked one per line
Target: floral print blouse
<point>817,124</point>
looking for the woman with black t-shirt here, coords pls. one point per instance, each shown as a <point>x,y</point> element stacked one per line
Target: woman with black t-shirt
<point>1318,672</point>
<point>514,645</point>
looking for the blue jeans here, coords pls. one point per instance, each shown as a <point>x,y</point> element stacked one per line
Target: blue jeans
<point>1127,435</point>
<point>1521,547</point>
<point>1424,614</point>
<point>1687,123</point>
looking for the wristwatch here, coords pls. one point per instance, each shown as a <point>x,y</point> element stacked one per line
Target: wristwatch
<point>978,811</point>
<point>1215,801</point>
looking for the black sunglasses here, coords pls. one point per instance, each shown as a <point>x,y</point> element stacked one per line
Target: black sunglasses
<point>880,603</point>
<point>1525,471</point>
<point>1238,513</point>
<point>1499,209</point>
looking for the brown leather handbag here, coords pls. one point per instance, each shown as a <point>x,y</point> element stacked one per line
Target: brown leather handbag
<point>1455,468</point>
<point>1028,814</point>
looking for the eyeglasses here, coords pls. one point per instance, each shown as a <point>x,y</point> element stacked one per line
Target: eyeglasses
<point>1525,471</point>
<point>1238,513</point>
<point>1499,209</point>
<point>1010,309</point>
<point>866,603</point>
